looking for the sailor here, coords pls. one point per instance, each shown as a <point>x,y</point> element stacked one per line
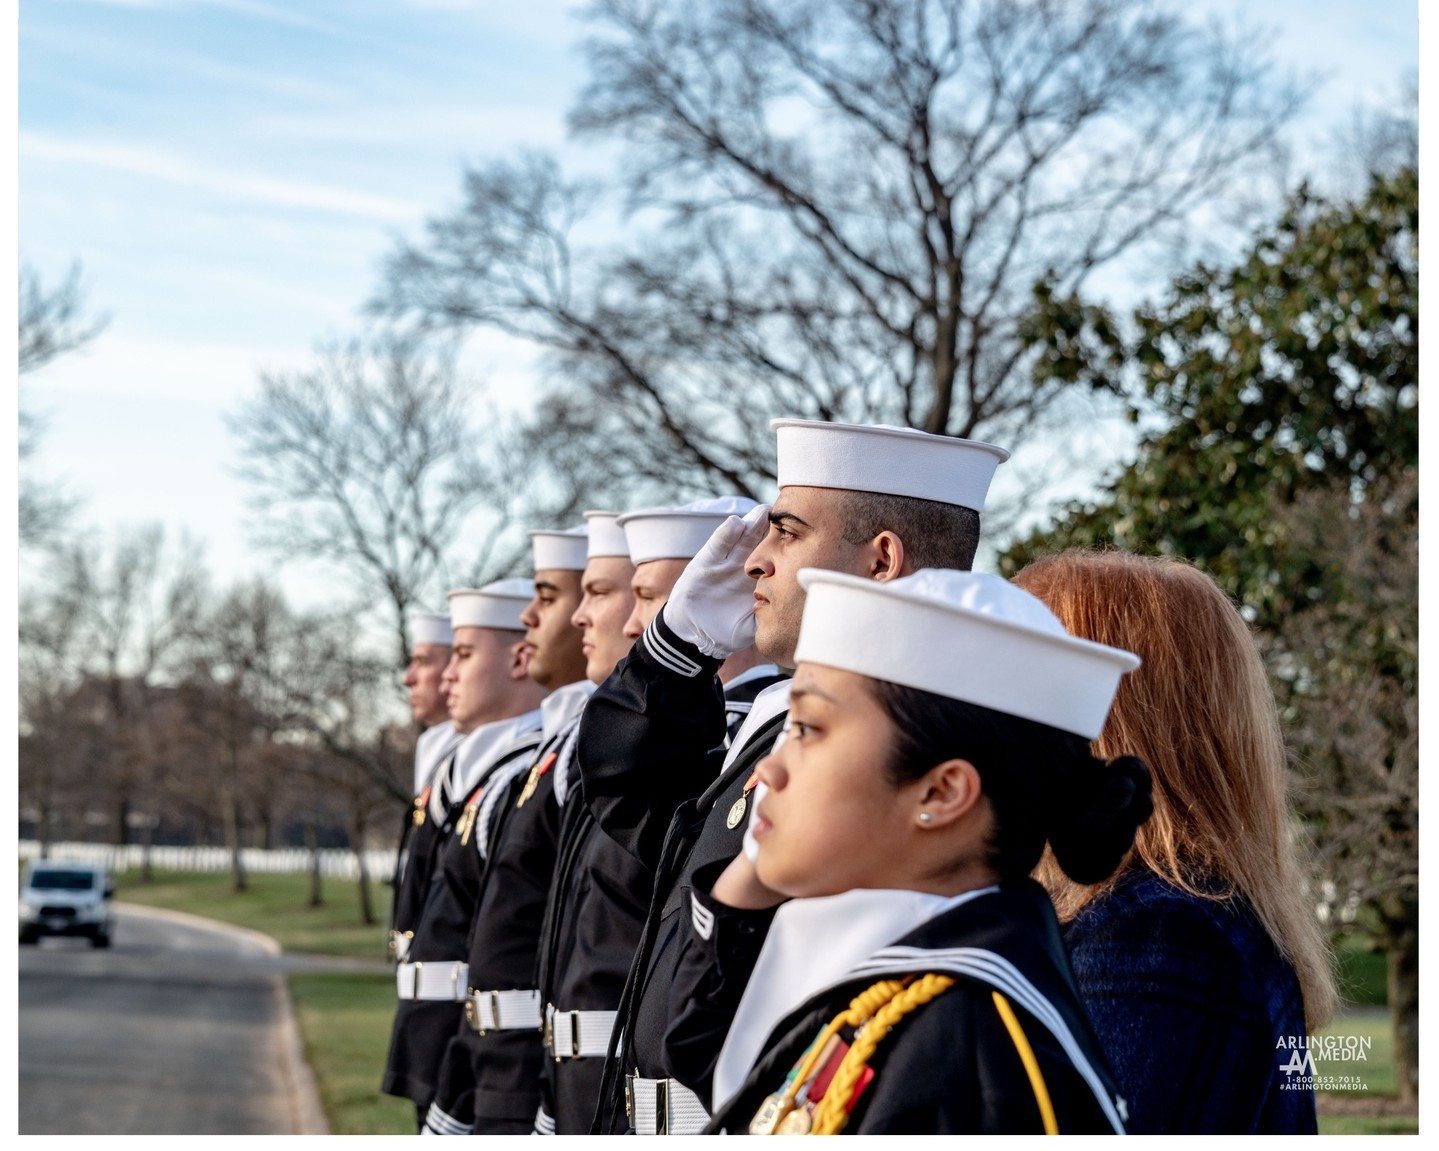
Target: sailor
<point>489,1079</point>
<point>597,892</point>
<point>916,983</point>
<point>429,653</point>
<point>877,502</point>
<point>494,706</point>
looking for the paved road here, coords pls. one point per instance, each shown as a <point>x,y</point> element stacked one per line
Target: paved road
<point>181,1028</point>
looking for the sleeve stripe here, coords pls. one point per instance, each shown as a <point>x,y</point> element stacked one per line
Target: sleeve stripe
<point>439,1123</point>
<point>666,655</point>
<point>702,917</point>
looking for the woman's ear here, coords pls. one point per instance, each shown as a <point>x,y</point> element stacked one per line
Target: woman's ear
<point>947,793</point>
<point>886,561</point>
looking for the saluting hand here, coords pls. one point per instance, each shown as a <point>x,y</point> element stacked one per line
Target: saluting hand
<point>712,604</point>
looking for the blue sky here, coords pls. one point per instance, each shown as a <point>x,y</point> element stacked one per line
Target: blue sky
<point>230,172</point>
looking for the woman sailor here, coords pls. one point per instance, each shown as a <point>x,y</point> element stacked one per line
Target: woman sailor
<point>916,982</point>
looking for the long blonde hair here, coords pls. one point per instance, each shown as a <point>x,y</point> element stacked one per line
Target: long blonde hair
<point>1201,713</point>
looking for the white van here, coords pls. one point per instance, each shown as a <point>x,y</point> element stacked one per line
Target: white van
<point>66,899</point>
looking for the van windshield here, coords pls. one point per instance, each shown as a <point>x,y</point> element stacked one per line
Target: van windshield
<point>63,880</point>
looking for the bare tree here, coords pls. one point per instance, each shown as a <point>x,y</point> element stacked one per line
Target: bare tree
<point>241,644</point>
<point>841,210</point>
<point>291,709</point>
<point>53,745</point>
<point>130,602</point>
<point>370,462</point>
<point>357,765</point>
<point>51,323</point>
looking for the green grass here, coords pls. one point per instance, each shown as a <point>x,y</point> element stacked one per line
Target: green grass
<point>1375,1074</point>
<point>1369,1124</point>
<point>1363,982</point>
<point>278,905</point>
<point>1376,1070</point>
<point>345,1019</point>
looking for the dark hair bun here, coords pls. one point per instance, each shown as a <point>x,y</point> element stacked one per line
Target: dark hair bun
<point>1095,815</point>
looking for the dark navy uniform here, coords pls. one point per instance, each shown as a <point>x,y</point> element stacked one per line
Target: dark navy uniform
<point>489,1079</point>
<point>954,1064</point>
<point>660,782</point>
<point>433,761</point>
<point>431,984</point>
<point>413,864</point>
<point>598,908</point>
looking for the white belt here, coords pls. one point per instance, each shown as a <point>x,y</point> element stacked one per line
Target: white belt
<point>663,1107</point>
<point>503,1010</point>
<point>577,1034</point>
<point>432,981</point>
<point>400,945</point>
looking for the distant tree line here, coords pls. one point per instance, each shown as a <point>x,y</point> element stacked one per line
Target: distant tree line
<point>155,707</point>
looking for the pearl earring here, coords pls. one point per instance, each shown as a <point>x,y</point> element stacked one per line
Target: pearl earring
<point>925,816</point>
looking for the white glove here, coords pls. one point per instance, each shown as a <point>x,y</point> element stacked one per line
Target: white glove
<point>712,604</point>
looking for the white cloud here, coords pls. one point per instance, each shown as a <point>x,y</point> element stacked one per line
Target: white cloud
<point>272,13</point>
<point>126,364</point>
<point>160,165</point>
<point>458,128</point>
<point>537,16</point>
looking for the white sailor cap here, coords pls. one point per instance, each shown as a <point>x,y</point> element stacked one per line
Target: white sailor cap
<point>678,533</point>
<point>428,627</point>
<point>965,635</point>
<point>887,460</point>
<point>607,538</point>
<point>496,605</point>
<point>565,550</point>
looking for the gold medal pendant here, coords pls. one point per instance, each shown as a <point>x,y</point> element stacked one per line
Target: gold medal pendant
<point>737,809</point>
<point>797,1122</point>
<point>771,1113</point>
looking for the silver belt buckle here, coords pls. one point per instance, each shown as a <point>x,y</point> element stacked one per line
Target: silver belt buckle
<point>575,1034</point>
<point>415,986</point>
<point>662,1107</point>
